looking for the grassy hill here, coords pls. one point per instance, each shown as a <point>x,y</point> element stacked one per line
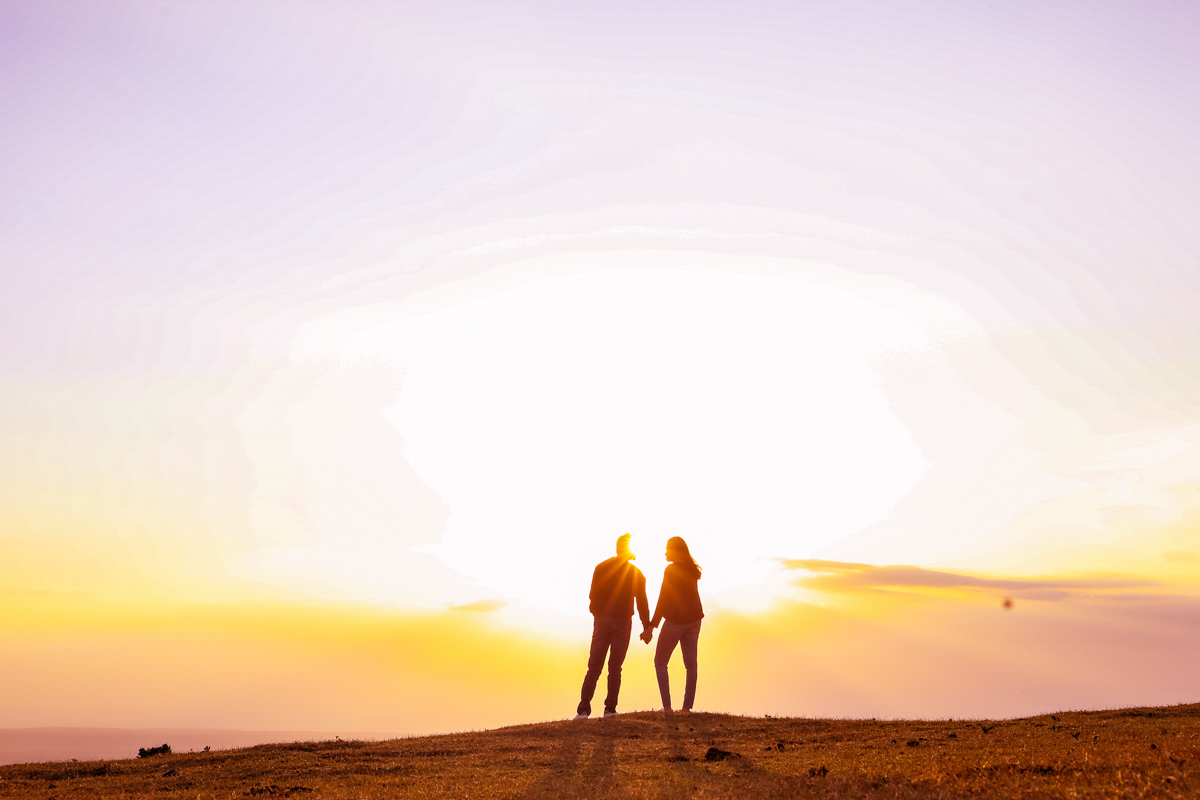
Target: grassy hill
<point>1143,752</point>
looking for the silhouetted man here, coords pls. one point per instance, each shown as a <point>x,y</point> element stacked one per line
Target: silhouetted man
<point>615,585</point>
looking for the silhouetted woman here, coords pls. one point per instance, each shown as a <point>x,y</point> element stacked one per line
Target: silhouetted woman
<point>679,604</point>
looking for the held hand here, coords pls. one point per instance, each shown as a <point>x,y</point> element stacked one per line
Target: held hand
<point>647,635</point>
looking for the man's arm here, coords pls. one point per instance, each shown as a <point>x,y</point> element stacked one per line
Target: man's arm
<point>592,589</point>
<point>643,604</point>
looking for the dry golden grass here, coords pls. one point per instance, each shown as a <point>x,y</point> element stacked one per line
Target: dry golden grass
<point>1147,752</point>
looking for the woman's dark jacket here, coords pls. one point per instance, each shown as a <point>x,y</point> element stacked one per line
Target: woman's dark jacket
<point>679,600</point>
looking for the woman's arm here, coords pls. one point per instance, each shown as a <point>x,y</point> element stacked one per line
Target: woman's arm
<point>658,606</point>
<point>665,597</point>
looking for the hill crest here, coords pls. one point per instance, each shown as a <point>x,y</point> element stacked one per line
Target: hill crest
<point>1147,751</point>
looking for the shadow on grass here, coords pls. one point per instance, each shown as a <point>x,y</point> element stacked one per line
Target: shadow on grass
<point>584,764</point>
<point>562,768</point>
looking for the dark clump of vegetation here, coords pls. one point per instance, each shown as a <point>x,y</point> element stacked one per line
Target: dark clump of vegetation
<point>646,756</point>
<point>280,790</point>
<point>161,750</point>
<point>717,754</point>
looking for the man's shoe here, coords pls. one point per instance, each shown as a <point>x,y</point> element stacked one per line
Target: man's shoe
<point>579,717</point>
<point>610,713</point>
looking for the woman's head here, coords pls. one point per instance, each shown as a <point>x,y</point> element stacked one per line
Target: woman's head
<point>678,553</point>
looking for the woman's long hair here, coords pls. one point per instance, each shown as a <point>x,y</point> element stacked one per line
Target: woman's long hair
<point>680,547</point>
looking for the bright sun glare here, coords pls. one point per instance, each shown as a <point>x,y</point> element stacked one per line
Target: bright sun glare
<point>554,406</point>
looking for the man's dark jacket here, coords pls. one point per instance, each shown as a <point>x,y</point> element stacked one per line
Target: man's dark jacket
<point>615,585</point>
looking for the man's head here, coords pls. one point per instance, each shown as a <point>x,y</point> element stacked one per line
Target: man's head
<point>623,550</point>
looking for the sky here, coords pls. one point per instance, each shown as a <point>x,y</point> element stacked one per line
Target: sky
<point>339,342</point>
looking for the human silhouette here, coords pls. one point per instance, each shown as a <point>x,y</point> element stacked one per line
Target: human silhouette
<point>679,605</point>
<point>616,584</point>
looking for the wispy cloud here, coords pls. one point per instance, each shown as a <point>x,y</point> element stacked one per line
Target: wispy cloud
<point>845,576</point>
<point>478,607</point>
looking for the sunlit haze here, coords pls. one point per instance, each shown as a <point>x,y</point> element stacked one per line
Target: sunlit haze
<point>740,409</point>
